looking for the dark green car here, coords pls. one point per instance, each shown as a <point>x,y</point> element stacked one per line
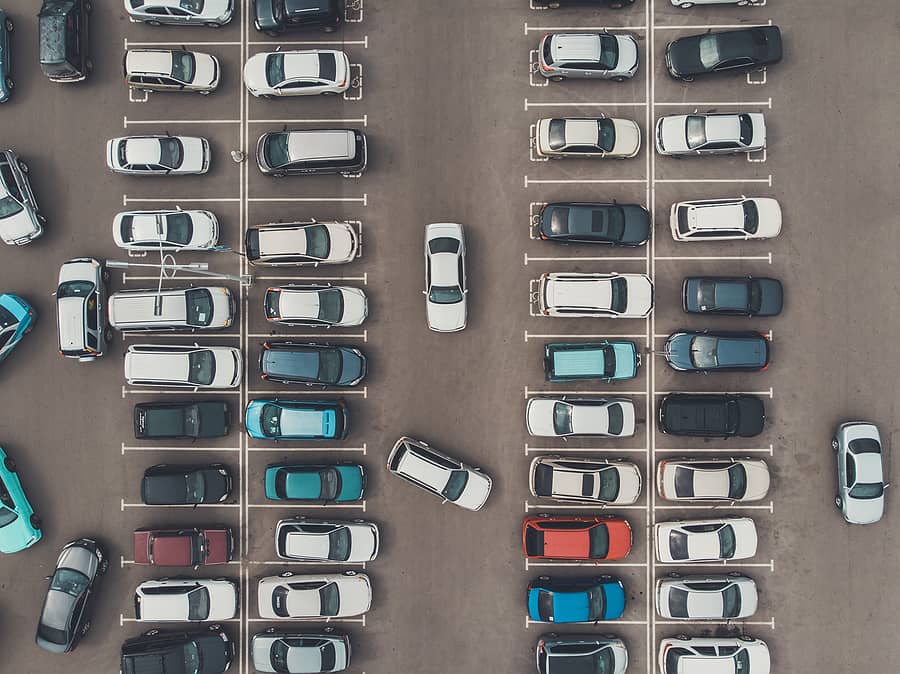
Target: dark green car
<point>6,81</point>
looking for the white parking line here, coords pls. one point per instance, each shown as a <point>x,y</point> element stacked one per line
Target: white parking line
<point>674,181</point>
<point>183,391</point>
<point>582,104</point>
<point>364,42</point>
<point>293,504</point>
<point>590,181</point>
<point>770,393</point>
<point>717,104</point>
<point>132,99</point>
<point>770,565</point>
<point>201,43</point>
<point>353,11</point>
<point>606,258</point>
<point>175,448</point>
<point>714,26</point>
<point>724,623</point>
<point>762,80</point>
<point>553,29</point>
<point>364,120</point>
<point>534,335</point>
<point>158,122</point>
<point>580,506</point>
<point>130,562</point>
<point>533,67</point>
<point>308,449</point>
<point>530,392</point>
<point>123,620</point>
<point>612,623</point>
<point>130,200</point>
<point>598,563</point>
<point>734,451</point>
<point>175,335</point>
<point>293,562</point>
<point>364,199</point>
<point>124,505</point>
<point>361,620</point>
<point>532,141</point>
<point>364,278</point>
<point>568,450</point>
<point>355,92</point>
<point>308,391</point>
<point>767,258</point>
<point>720,506</point>
<point>364,335</point>
<point>757,157</point>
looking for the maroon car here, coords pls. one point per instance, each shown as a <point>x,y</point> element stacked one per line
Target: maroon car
<point>183,547</point>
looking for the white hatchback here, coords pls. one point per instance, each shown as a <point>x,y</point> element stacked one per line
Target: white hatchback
<point>185,600</point>
<point>297,73</point>
<point>316,305</point>
<point>325,595</point>
<point>579,295</point>
<point>725,219</point>
<point>714,655</point>
<point>183,366</point>
<point>327,541</point>
<point>166,230</point>
<point>712,540</point>
<point>563,417</point>
<point>718,597</point>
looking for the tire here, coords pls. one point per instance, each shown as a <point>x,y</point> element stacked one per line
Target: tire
<point>10,83</point>
<point>686,5</point>
<point>683,637</point>
<point>154,23</point>
<point>839,502</point>
<point>23,167</point>
<point>744,637</point>
<point>285,574</point>
<point>742,3</point>
<point>618,79</point>
<point>350,573</point>
<point>687,79</point>
<point>329,93</point>
<point>151,633</point>
<point>9,464</point>
<point>210,24</point>
<point>557,78</point>
<point>9,26</point>
<point>35,521</point>
<point>204,93</point>
<point>85,627</point>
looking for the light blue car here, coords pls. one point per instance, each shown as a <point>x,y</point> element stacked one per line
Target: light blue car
<point>20,528</point>
<point>16,320</point>
<point>296,420</point>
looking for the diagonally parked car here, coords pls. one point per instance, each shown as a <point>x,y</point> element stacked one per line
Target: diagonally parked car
<point>21,221</point>
<point>17,319</point>
<point>20,528</point>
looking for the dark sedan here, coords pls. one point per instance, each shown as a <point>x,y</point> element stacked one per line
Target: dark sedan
<point>276,16</point>
<point>183,420</point>
<point>206,652</point>
<point>614,224</point>
<point>65,617</point>
<point>731,51</point>
<point>717,351</point>
<point>712,415</point>
<point>732,296</point>
<point>312,364</point>
<point>185,485</point>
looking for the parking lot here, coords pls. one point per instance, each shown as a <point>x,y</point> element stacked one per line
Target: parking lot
<point>447,94</point>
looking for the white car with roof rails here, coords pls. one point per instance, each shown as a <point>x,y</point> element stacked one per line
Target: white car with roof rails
<point>166,230</point>
<point>711,133</point>
<point>725,219</point>
<point>323,595</point>
<point>585,480</point>
<point>578,295</point>
<point>171,70</point>
<point>446,302</point>
<point>588,55</point>
<point>449,479</point>
<point>327,541</point>
<point>710,540</point>
<point>158,155</point>
<point>183,366</point>
<point>294,244</point>
<point>200,308</point>
<point>713,655</point>
<point>185,600</point>
<point>587,137</point>
<point>860,470</point>
<point>713,479</point>
<point>297,73</point>
<point>572,416</point>
<point>316,305</point>
<point>731,596</point>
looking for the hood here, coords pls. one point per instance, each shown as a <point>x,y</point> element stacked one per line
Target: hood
<point>19,227</point>
<point>640,294</point>
<point>229,365</point>
<point>629,483</point>
<point>614,594</point>
<point>620,539</point>
<point>216,485</point>
<point>683,56</point>
<point>637,225</point>
<point>353,367</point>
<point>539,417</point>
<point>216,653</point>
<point>223,600</point>
<point>476,493</point>
<point>213,419</point>
<point>628,137</point>
<point>255,69</point>
<point>353,482</point>
<point>252,421</point>
<point>343,243</point>
<point>356,307</point>
<point>745,536</point>
<point>261,652</point>
<point>363,542</point>
<point>356,595</point>
<point>218,550</point>
<point>627,360</point>
<point>628,54</point>
<point>757,480</point>
<point>217,9</point>
<point>751,416</point>
<point>265,15</point>
<point>769,211</point>
<point>79,558</point>
<point>206,70</point>
<point>771,294</point>
<point>446,317</point>
<point>196,159</point>
<point>678,351</point>
<point>141,547</point>
<point>671,135</point>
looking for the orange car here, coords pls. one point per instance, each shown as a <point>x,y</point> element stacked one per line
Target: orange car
<point>579,538</point>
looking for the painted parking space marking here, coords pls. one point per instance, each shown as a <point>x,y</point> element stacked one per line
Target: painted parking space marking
<point>364,335</point>
<point>294,506</point>
<point>129,44</point>
<point>770,565</point>
<point>723,623</point>
<point>353,11</point>
<point>130,562</point>
<point>177,200</point>
<point>531,392</point>
<point>273,44</point>
<point>532,142</point>
<point>758,157</point>
<point>309,391</point>
<point>125,505</point>
<point>770,450</point>
<point>581,506</point>
<point>696,258</point>
<point>364,120</point>
<point>581,104</point>
<point>715,104</point>
<point>535,79</point>
<point>603,335</point>
<point>757,77</point>
<point>770,507</point>
<point>355,92</point>
<point>360,620</point>
<point>714,26</point>
<point>529,622</point>
<point>589,29</point>
<point>123,620</point>
<point>295,562</point>
<point>175,335</point>
<point>591,565</point>
<point>685,181</point>
<point>600,258</point>
<point>588,181</point>
<point>175,448</point>
<point>364,199</point>
<point>157,122</point>
<point>183,391</point>
<point>769,394</point>
<point>279,448</point>
<point>568,450</point>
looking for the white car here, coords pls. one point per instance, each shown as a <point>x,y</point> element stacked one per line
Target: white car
<point>183,366</point>
<point>288,652</point>
<point>599,295</point>
<point>711,133</point>
<point>158,155</point>
<point>328,541</point>
<point>860,470</point>
<point>713,655</point>
<point>585,480</point>
<point>562,417</point>
<point>437,473</point>
<point>445,277</point>
<point>725,219</point>
<point>719,479</point>
<point>581,137</point>
<point>185,600</point>
<point>324,595</point>
<point>212,13</point>
<point>718,597</point>
<point>588,55</point>
<point>295,244</point>
<point>316,306</point>
<point>712,540</point>
<point>171,70</point>
<point>687,4</point>
<point>297,73</point>
<point>21,221</point>
<point>166,230</point>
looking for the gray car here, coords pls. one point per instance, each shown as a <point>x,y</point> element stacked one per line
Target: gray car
<point>212,13</point>
<point>300,653</point>
<point>20,220</point>
<point>860,470</point>
<point>65,617</point>
<point>588,56</point>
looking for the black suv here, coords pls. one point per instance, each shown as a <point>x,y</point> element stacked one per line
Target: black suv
<point>63,39</point>
<point>312,364</point>
<point>155,652</point>
<point>201,419</point>
<point>276,16</point>
<point>712,415</point>
<point>185,485</point>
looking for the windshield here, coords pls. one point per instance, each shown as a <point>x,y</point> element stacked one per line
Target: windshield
<point>279,655</point>
<point>616,416</point>
<point>709,50</point>
<point>445,294</point>
<point>703,351</point>
<point>7,511</point>
<point>596,601</point>
<point>274,69</point>
<point>609,484</point>
<point>330,365</point>
<point>202,367</point>
<point>599,542</point>
<point>170,152</point>
<point>331,305</point>
<point>609,52</point>
<point>746,129</point>
<point>9,206</point>
<point>270,420</point>
<point>74,289</point>
<point>727,542</point>
<point>179,228</point>
<point>195,486</point>
<point>183,66</point>
<point>562,418</point>
<point>199,307</point>
<point>339,545</point>
<point>455,485</point>
<point>751,217</point>
<point>195,6</point>
<point>198,604</point>
<point>331,484</point>
<point>737,481</point>
<point>69,581</point>
<point>557,134</point>
<point>317,242</point>
<point>731,601</point>
<point>867,490</point>
<point>331,600</point>
<point>606,135</point>
<point>276,150</point>
<point>695,131</point>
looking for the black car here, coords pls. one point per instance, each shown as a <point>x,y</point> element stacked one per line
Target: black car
<point>712,415</point>
<point>731,51</point>
<point>185,485</point>
<point>200,419</point>
<point>710,351</point>
<point>616,224</point>
<point>312,364</point>
<point>65,617</point>
<point>154,652</point>
<point>732,296</point>
<point>276,16</point>
<point>63,39</point>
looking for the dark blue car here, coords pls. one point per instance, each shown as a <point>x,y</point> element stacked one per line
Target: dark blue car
<point>717,351</point>
<point>575,600</point>
<point>732,296</point>
<point>312,364</point>
<point>6,81</point>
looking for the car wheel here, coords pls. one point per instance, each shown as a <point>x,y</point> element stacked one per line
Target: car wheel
<point>557,78</point>
<point>23,167</point>
<point>683,637</point>
<point>286,574</point>
<point>744,637</point>
<point>9,464</point>
<point>212,24</point>
<point>154,23</point>
<point>103,568</point>
<point>687,79</point>
<point>619,79</point>
<point>10,84</point>
<point>204,93</point>
<point>85,627</point>
<point>151,633</point>
<point>834,444</point>
<point>839,502</point>
<point>35,521</point>
<point>350,573</point>
<point>686,5</point>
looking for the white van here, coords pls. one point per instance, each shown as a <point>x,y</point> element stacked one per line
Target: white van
<point>204,308</point>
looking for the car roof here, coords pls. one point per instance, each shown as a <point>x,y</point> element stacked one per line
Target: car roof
<point>413,464</point>
<point>717,216</point>
<point>321,144</point>
<point>576,47</point>
<point>149,61</point>
<point>299,303</point>
<point>303,64</point>
<point>282,241</point>
<point>142,150</point>
<point>159,366</point>
<point>582,292</point>
<point>722,128</point>
<point>582,132</point>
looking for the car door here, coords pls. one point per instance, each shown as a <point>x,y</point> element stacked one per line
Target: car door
<point>295,87</point>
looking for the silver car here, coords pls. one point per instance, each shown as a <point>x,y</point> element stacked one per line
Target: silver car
<point>297,73</point>
<point>563,417</point>
<point>717,597</point>
<point>20,220</point>
<point>860,472</point>
<point>725,219</point>
<point>212,13</point>
<point>166,230</point>
<point>445,277</point>
<point>711,133</point>
<point>158,155</point>
<point>171,70</point>
<point>316,306</point>
<point>585,480</point>
<point>587,137</point>
<point>714,655</point>
<point>713,479</point>
<point>326,541</point>
<point>300,652</point>
<point>588,55</point>
<point>322,596</point>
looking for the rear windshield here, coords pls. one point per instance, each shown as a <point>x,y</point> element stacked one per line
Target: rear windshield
<point>327,67</point>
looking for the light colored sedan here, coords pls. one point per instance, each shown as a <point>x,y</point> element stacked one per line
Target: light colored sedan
<point>449,479</point>
<point>585,480</point>
<point>158,155</point>
<point>718,597</point>
<point>712,540</point>
<point>185,600</point>
<point>711,133</point>
<point>294,244</point>
<point>860,471</point>
<point>687,4</point>
<point>575,295</point>
<point>724,219</point>
<point>326,541</point>
<point>713,655</point>
<point>276,652</point>
<point>212,13</point>
<point>324,595</point>
<point>445,277</point>
<point>166,230</point>
<point>720,479</point>
<point>562,417</point>
<point>297,73</point>
<point>588,55</point>
<point>587,137</point>
<point>183,366</point>
<point>171,70</point>
<point>316,306</point>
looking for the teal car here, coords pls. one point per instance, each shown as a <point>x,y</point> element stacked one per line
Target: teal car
<point>609,360</point>
<point>16,320</point>
<point>305,482</point>
<point>20,528</point>
<point>267,419</point>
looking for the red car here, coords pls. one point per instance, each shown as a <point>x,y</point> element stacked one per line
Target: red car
<point>579,538</point>
<point>183,547</point>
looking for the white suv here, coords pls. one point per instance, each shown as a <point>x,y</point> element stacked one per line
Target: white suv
<point>725,219</point>
<point>189,366</point>
<point>171,70</point>
<point>204,308</point>
<point>598,295</point>
<point>185,600</point>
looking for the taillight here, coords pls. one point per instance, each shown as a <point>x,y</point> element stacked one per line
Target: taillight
<point>343,84</point>
<point>546,312</point>
<point>544,237</point>
<point>263,376</point>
